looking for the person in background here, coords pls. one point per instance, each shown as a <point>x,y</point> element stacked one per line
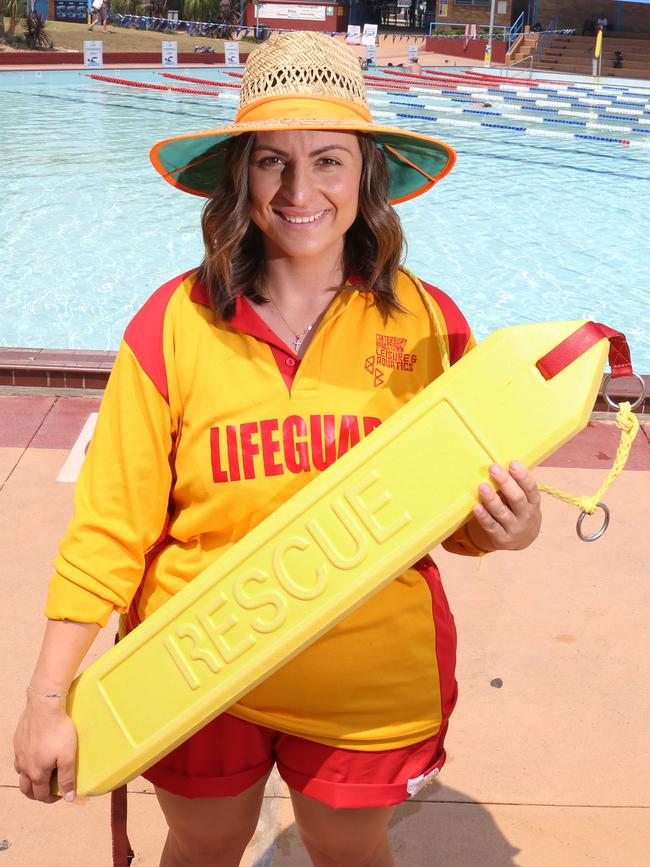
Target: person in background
<point>100,15</point>
<point>601,23</point>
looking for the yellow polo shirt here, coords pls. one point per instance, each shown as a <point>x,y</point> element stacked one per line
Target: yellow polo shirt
<point>205,428</point>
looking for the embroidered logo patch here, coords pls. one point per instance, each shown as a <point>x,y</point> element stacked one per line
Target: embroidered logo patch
<point>389,355</point>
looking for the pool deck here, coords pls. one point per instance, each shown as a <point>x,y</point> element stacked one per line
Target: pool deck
<point>549,755</point>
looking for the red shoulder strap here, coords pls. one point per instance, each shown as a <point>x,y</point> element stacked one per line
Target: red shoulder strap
<point>579,342</point>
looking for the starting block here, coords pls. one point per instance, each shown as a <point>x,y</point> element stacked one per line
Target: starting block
<point>343,537</point>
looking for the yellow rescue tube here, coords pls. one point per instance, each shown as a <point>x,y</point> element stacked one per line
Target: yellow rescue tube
<point>349,532</point>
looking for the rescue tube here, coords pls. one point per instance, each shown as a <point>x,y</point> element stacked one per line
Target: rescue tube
<point>521,394</point>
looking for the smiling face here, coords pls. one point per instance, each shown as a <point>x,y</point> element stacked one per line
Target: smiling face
<point>304,191</point>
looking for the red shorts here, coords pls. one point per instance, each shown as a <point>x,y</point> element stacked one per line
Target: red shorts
<point>229,755</point>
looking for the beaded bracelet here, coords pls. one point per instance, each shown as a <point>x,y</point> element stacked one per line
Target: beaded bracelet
<point>47,694</point>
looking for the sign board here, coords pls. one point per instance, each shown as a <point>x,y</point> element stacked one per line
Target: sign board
<point>93,52</point>
<point>329,11</point>
<point>413,54</point>
<point>291,11</point>
<point>369,36</point>
<point>371,55</point>
<point>70,10</point>
<point>443,6</point>
<point>169,53</point>
<point>231,52</point>
<point>354,35</point>
<point>502,7</point>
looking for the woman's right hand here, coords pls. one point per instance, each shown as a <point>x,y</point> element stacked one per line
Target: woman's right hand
<point>45,741</point>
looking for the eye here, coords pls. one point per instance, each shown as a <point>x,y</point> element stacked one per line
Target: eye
<point>269,162</point>
<point>328,161</point>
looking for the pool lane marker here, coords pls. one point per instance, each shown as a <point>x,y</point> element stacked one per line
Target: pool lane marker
<point>408,90</point>
<point>198,80</point>
<point>70,469</point>
<point>143,85</point>
<point>476,85</point>
<point>441,104</point>
<point>432,118</point>
<point>522,118</point>
<point>475,94</point>
<point>536,132</point>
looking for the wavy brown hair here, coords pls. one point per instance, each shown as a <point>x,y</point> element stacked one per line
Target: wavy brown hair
<point>234,255</point>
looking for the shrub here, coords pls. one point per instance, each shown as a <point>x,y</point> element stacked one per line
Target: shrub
<point>36,37</point>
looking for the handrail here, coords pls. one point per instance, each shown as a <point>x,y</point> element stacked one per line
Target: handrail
<point>516,30</point>
<point>527,59</point>
<point>544,37</point>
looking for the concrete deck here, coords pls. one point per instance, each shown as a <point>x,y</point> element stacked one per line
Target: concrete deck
<point>549,769</point>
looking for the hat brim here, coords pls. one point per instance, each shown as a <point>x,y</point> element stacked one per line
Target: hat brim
<point>194,162</point>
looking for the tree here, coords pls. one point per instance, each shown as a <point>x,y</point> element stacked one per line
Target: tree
<point>12,8</point>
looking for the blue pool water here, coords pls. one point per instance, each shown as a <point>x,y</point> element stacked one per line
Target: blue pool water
<point>524,229</point>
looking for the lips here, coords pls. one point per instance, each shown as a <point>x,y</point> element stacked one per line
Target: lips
<point>296,220</point>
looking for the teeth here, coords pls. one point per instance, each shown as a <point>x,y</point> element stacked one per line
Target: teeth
<point>303,219</point>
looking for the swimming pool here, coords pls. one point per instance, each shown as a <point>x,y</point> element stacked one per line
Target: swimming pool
<point>525,228</point>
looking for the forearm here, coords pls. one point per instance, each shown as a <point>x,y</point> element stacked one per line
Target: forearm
<point>65,644</point>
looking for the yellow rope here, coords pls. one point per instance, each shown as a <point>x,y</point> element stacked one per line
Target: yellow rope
<point>628,424</point>
<point>439,327</point>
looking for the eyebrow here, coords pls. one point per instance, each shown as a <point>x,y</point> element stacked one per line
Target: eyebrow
<point>318,152</point>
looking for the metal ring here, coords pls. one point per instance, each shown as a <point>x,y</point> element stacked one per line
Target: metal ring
<point>611,403</point>
<point>598,533</point>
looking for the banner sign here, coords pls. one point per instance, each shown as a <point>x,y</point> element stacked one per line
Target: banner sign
<point>371,55</point>
<point>169,53</point>
<point>354,35</point>
<point>369,36</point>
<point>289,11</point>
<point>413,54</point>
<point>93,52</point>
<point>231,52</point>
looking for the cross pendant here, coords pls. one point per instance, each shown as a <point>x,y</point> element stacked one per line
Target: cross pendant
<point>296,344</point>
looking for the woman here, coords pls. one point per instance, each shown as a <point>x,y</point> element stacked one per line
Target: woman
<point>235,385</point>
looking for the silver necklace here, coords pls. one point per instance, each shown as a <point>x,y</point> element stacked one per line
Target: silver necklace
<point>297,337</point>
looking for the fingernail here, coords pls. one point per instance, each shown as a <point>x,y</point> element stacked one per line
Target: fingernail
<point>69,796</point>
<point>517,467</point>
<point>484,488</point>
<point>496,470</point>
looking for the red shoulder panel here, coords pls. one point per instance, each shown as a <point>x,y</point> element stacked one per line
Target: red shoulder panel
<point>457,328</point>
<point>144,334</point>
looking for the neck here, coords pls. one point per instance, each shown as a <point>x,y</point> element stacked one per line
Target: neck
<point>303,283</point>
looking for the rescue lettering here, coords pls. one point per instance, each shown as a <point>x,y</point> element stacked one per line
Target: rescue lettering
<point>301,570</point>
<point>272,447</point>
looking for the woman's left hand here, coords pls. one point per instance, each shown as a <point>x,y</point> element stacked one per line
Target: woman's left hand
<point>509,518</point>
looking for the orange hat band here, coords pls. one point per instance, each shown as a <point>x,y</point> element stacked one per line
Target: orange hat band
<point>280,108</point>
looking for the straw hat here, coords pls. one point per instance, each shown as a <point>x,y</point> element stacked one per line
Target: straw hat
<point>303,80</point>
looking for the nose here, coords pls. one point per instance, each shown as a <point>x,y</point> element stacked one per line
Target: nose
<point>297,183</point>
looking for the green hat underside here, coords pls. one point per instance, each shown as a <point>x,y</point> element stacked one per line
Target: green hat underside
<point>195,163</point>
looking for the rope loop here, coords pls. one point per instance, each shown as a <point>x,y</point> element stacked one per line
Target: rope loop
<point>628,424</point>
